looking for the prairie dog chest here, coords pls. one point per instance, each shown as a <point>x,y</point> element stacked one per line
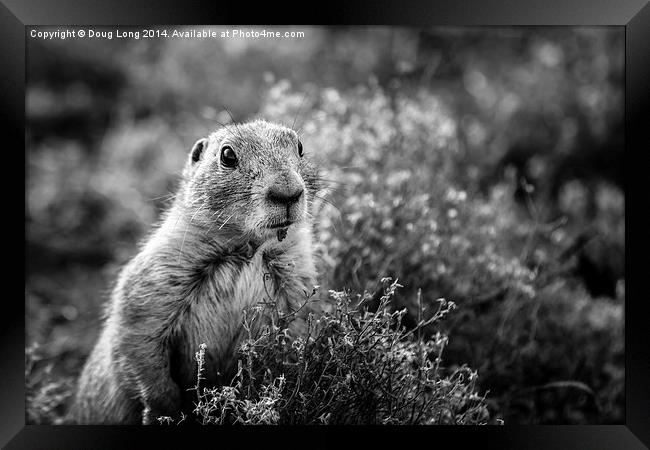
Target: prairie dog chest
<point>214,311</point>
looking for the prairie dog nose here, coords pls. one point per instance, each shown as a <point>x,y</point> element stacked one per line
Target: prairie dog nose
<point>285,189</point>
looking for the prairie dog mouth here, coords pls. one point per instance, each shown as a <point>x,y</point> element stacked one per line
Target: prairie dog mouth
<point>284,224</point>
<point>282,229</point>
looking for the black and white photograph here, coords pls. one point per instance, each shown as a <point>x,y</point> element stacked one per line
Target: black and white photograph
<point>325,225</point>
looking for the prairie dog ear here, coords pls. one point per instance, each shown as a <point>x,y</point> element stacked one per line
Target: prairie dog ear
<point>198,149</point>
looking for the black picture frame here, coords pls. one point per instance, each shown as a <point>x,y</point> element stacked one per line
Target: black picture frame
<point>633,15</point>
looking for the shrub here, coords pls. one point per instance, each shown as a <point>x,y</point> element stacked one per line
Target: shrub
<point>349,366</point>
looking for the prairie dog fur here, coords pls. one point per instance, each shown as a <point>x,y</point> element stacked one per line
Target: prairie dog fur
<point>239,231</point>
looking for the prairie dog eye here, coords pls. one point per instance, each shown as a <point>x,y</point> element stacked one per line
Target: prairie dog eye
<point>300,152</point>
<point>228,156</point>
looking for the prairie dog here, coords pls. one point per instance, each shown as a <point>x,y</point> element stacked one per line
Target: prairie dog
<point>239,231</point>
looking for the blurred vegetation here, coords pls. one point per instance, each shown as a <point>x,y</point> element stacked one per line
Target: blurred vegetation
<point>482,165</point>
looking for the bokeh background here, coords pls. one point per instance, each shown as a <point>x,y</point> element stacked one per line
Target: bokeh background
<point>482,165</point>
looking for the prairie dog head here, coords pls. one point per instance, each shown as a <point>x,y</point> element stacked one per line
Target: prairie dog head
<point>252,180</point>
